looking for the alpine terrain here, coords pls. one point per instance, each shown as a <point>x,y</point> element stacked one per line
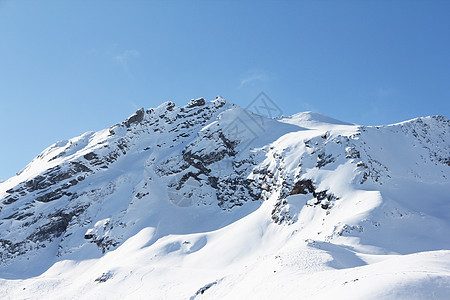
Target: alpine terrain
<point>212,201</point>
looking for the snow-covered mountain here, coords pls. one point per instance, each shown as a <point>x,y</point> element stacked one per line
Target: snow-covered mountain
<point>211,201</point>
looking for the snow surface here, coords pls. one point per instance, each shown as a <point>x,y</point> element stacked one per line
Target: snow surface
<point>154,225</point>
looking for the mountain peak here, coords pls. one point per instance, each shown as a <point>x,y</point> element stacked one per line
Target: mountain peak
<point>211,196</point>
<point>309,118</point>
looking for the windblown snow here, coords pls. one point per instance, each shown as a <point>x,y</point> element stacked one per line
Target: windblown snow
<point>211,201</point>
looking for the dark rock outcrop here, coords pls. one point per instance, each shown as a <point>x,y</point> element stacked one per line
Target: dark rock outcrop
<point>136,118</point>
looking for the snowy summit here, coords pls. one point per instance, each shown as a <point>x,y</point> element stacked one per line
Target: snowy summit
<point>212,201</point>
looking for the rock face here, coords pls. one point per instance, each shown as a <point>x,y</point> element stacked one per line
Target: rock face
<point>88,195</point>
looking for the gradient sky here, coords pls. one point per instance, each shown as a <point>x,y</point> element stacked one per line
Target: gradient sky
<point>67,67</point>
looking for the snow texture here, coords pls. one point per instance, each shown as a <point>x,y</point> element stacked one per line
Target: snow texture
<point>211,201</point>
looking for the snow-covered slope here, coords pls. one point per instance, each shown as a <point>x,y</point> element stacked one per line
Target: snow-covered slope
<point>210,201</point>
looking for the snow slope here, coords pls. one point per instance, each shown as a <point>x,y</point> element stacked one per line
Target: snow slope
<point>210,201</point>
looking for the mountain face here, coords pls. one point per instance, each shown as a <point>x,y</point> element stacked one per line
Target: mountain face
<point>212,201</point>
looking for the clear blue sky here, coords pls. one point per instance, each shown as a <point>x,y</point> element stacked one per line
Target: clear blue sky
<point>67,67</point>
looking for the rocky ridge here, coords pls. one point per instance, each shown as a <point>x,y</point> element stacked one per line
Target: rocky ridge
<point>79,196</point>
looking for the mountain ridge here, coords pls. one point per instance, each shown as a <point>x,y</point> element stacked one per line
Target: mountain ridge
<point>182,182</point>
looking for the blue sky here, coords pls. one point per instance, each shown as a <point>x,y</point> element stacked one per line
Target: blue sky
<point>67,67</point>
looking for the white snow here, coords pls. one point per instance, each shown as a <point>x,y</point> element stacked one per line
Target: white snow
<point>384,235</point>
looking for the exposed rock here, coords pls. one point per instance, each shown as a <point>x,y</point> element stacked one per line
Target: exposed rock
<point>303,187</point>
<point>203,289</point>
<point>324,160</point>
<point>104,277</point>
<point>90,156</point>
<point>136,118</point>
<point>57,224</point>
<point>280,212</point>
<point>196,102</point>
